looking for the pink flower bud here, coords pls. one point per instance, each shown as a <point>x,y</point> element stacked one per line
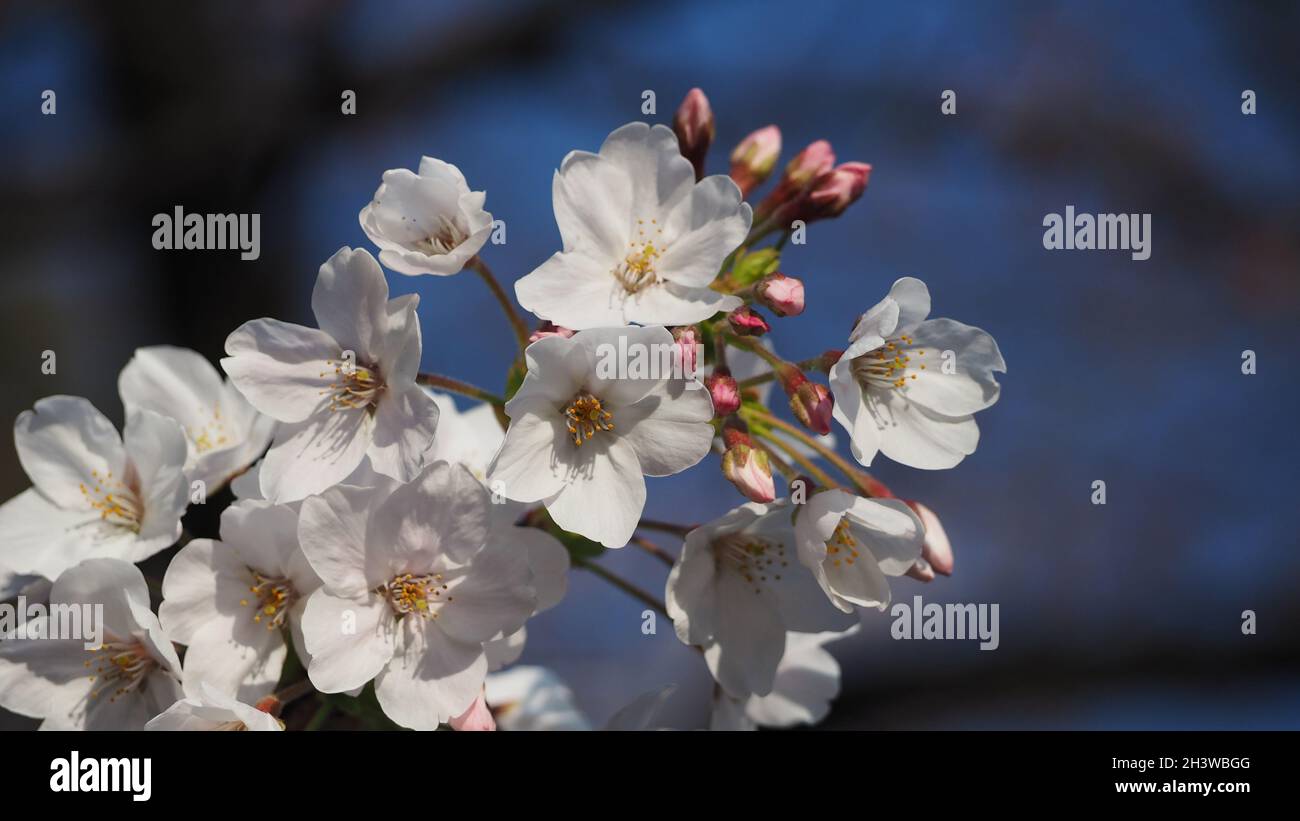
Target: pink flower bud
<point>748,469</point>
<point>937,550</point>
<point>687,340</point>
<point>724,392</point>
<point>694,127</point>
<point>812,405</point>
<point>748,322</point>
<point>801,174</point>
<point>836,191</point>
<point>810,165</point>
<point>478,718</point>
<point>549,329</point>
<point>783,294</point>
<point>754,158</point>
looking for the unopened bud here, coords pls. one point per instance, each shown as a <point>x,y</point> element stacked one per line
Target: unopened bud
<point>754,158</point>
<point>724,391</point>
<point>694,127</point>
<point>686,340</point>
<point>836,191</point>
<point>812,405</point>
<point>801,174</point>
<point>782,294</point>
<point>748,322</point>
<point>748,468</point>
<point>936,553</point>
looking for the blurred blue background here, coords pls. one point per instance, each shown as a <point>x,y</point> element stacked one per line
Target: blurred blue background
<point>1119,616</point>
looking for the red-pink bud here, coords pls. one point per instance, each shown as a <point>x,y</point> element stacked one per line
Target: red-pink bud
<point>754,158</point>
<point>812,405</point>
<point>748,468</point>
<point>694,128</point>
<point>748,322</point>
<point>687,341</point>
<point>549,329</point>
<point>801,174</point>
<point>836,191</point>
<point>724,391</point>
<point>783,294</point>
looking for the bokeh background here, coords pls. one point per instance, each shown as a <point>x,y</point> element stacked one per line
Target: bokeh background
<point>1119,616</point>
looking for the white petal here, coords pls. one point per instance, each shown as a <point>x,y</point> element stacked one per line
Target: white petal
<point>703,229</point>
<point>283,370</point>
<point>157,449</point>
<point>202,576</point>
<point>405,424</point>
<point>528,467</point>
<point>592,197</point>
<point>668,434</point>
<point>332,532</point>
<point>913,300</point>
<point>489,596</point>
<point>671,304</point>
<point>914,436</point>
<point>661,177</point>
<point>749,639</point>
<point>605,495</point>
<point>350,640</point>
<point>350,302</point>
<point>61,442</point>
<point>246,664</point>
<point>318,453</point>
<point>431,678</point>
<point>443,511</point>
<point>851,411</point>
<point>575,290</point>
<point>972,387</point>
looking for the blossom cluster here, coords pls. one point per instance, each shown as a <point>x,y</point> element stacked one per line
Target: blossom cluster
<point>384,546</point>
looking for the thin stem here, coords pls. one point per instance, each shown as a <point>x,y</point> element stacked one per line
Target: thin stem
<point>516,322</point>
<point>815,363</point>
<point>318,718</point>
<point>754,348</point>
<point>624,585</point>
<point>665,527</point>
<point>852,473</point>
<point>295,691</point>
<point>654,550</point>
<point>801,459</point>
<point>436,380</point>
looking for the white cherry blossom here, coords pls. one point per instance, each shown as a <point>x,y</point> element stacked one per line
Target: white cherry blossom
<point>852,544</point>
<point>642,240</point>
<point>210,709</point>
<point>427,222</point>
<point>411,593</point>
<point>131,676</point>
<point>807,680</point>
<point>225,434</point>
<point>583,434</point>
<point>95,493</point>
<point>909,387</point>
<point>233,601</point>
<point>738,590</point>
<point>343,392</point>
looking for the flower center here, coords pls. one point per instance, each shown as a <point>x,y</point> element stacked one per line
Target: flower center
<point>354,386</point>
<point>586,415</point>
<point>409,594</point>
<point>211,435</point>
<point>637,270</point>
<point>444,240</point>
<point>886,367</point>
<point>274,596</point>
<point>120,667</point>
<point>842,546</point>
<point>754,559</point>
<point>117,502</point>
